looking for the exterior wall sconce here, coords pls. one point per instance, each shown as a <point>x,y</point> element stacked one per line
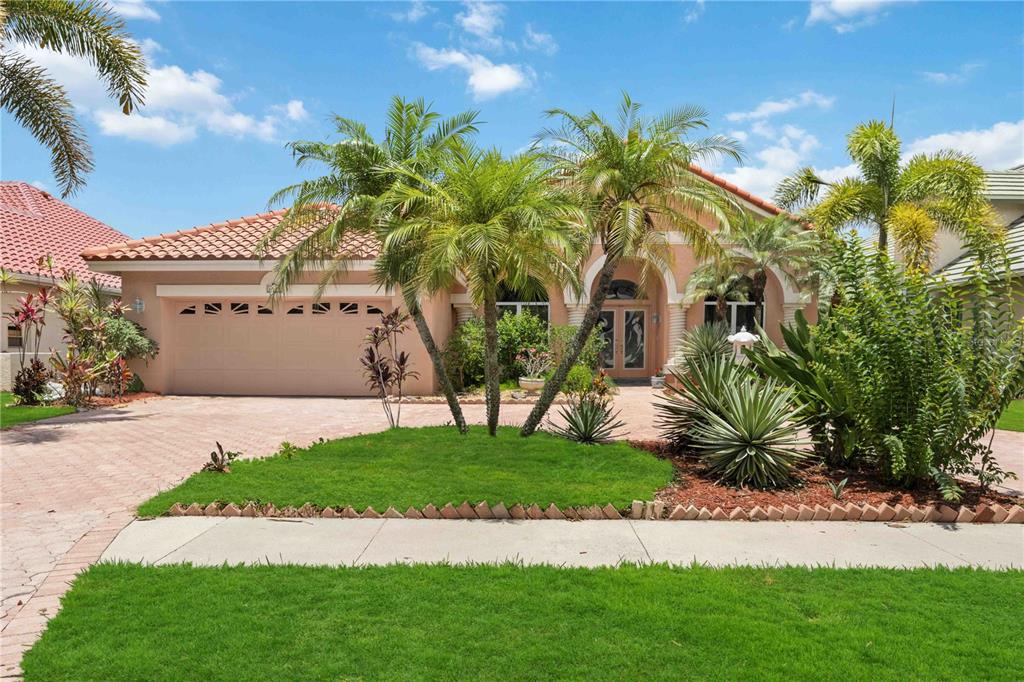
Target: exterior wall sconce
<point>740,340</point>
<point>139,305</point>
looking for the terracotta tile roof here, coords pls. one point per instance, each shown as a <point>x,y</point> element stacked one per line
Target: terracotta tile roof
<point>34,224</point>
<point>741,193</point>
<point>230,240</point>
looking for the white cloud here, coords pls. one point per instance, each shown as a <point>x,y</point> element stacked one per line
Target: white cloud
<point>740,135</point>
<point>775,162</point>
<point>153,129</point>
<point>996,148</point>
<point>482,20</point>
<point>39,184</point>
<point>539,41</point>
<point>134,9</point>
<point>417,9</point>
<point>177,103</point>
<point>770,108</point>
<point>694,11</point>
<point>960,75</point>
<point>837,172</point>
<point>846,16</point>
<point>485,79</point>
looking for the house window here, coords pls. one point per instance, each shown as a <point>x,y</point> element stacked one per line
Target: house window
<point>622,289</point>
<point>511,302</point>
<point>188,310</point>
<point>13,336</point>
<point>240,308</point>
<point>373,310</point>
<point>264,310</point>
<point>320,308</point>
<point>212,308</point>
<point>738,314</point>
<point>348,308</point>
<point>296,310</point>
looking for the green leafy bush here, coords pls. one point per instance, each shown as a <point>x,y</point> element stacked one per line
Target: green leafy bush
<point>30,382</point>
<point>128,338</point>
<point>464,354</point>
<point>590,356</point>
<point>905,375</point>
<point>578,380</point>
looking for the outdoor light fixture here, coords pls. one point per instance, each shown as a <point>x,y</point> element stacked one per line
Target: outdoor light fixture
<point>139,305</point>
<point>742,339</point>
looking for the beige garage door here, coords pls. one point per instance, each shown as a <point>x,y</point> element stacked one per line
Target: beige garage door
<point>244,347</point>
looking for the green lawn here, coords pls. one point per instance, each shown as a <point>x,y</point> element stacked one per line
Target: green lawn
<point>1013,418</point>
<point>513,623</point>
<point>12,415</point>
<point>433,465</point>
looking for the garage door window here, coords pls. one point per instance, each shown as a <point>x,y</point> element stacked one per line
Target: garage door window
<point>264,310</point>
<point>212,308</point>
<point>296,310</point>
<point>188,310</point>
<point>320,308</point>
<point>348,308</point>
<point>240,308</point>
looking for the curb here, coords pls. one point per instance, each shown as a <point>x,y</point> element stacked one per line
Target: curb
<point>982,513</point>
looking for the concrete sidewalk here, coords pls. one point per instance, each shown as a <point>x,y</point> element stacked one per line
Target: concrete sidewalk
<point>336,542</point>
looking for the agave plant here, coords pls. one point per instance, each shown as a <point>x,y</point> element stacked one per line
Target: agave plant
<point>753,440</point>
<point>699,389</point>
<point>589,421</point>
<point>705,342</point>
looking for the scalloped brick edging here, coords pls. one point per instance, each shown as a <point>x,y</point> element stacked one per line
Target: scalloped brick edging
<point>982,513</point>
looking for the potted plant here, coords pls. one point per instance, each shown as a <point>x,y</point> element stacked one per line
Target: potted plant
<point>658,380</point>
<point>535,362</point>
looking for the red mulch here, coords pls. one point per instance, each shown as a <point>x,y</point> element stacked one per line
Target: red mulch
<point>693,486</point>
<point>107,401</point>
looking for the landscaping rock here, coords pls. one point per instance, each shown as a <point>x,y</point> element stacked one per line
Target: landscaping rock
<point>804,513</point>
<point>307,511</point>
<point>636,510</point>
<point>553,512</point>
<point>269,510</point>
<point>250,510</point>
<point>498,511</point>
<point>930,514</point>
<point>466,511</point>
<point>392,513</point>
<point>535,512</point>
<point>589,513</point>
<point>885,512</point>
<point>610,512</point>
<point>984,514</point>
<point>328,513</point>
<point>947,514</point>
<point>658,509</point>
<point>704,514</point>
<point>413,513</point>
<point>1016,515</point>
<point>231,510</point>
<point>853,512</point>
<point>371,513</point>
<point>517,512</point>
<point>431,512</point>
<point>758,514</point>
<point>820,513</point>
<point>349,513</point>
<point>902,513</point>
<point>176,509</point>
<point>999,512</point>
<point>737,514</point>
<point>194,510</point>
<point>450,512</point>
<point>775,514</point>
<point>868,513</point>
<point>790,513</point>
<point>290,513</point>
<point>692,513</point>
<point>719,515</point>
<point>677,514</point>
<point>965,515</point>
<point>483,511</point>
<point>836,513</point>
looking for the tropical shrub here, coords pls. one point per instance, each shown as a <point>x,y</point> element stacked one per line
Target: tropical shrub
<point>907,376</point>
<point>578,380</point>
<point>534,361</point>
<point>561,336</point>
<point>128,338</point>
<point>30,382</point>
<point>385,366</point>
<point>76,371</point>
<point>464,354</point>
<point>753,440</point>
<point>515,334</point>
<point>699,390</point>
<point>221,459</point>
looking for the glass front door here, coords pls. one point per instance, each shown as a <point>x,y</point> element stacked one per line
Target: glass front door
<point>625,334</point>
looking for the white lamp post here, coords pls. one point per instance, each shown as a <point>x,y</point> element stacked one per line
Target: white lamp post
<point>742,339</point>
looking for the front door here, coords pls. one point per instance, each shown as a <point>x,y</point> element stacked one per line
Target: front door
<point>626,351</point>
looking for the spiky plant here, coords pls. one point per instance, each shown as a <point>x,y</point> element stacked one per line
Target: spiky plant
<point>704,343</point>
<point>588,421</point>
<point>86,29</point>
<point>699,389</point>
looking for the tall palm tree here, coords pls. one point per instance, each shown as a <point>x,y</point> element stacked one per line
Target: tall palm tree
<point>911,200</point>
<point>633,177</point>
<point>759,245</point>
<point>82,28</point>
<point>489,221</point>
<point>719,279</point>
<point>352,200</point>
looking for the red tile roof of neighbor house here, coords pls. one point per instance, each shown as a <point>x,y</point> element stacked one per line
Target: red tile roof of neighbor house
<point>34,224</point>
<point>237,239</point>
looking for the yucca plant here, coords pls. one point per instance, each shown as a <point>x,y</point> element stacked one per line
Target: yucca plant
<point>589,421</point>
<point>753,440</point>
<point>704,342</point>
<point>699,389</point>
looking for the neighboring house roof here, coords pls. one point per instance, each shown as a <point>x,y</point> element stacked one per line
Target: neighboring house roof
<point>957,271</point>
<point>1008,184</point>
<point>237,239</point>
<point>34,224</point>
<point>230,240</point>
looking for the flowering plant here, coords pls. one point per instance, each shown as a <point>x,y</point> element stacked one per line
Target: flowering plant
<point>535,362</point>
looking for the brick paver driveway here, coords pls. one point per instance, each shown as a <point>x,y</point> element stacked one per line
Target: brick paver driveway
<point>70,484</point>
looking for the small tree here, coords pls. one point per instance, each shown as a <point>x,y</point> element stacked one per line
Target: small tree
<point>385,366</point>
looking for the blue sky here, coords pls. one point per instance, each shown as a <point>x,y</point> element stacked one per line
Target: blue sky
<point>231,82</point>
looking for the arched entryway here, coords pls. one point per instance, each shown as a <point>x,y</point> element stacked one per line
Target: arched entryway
<point>628,324</point>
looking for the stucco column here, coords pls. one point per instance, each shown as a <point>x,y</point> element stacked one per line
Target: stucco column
<point>676,328</point>
<point>789,315</point>
<point>464,312</point>
<point>576,313</point>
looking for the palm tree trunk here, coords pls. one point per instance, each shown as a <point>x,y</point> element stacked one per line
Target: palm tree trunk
<point>758,285</point>
<point>572,352</point>
<point>492,375</point>
<point>721,308</point>
<point>438,361</point>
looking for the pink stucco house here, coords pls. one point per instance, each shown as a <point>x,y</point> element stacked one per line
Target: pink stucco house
<point>202,296</point>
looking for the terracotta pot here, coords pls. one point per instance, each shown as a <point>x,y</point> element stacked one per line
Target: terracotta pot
<point>530,384</point>
<point>657,382</point>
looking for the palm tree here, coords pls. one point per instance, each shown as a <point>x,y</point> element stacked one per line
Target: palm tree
<point>351,200</point>
<point>719,279</point>
<point>79,28</point>
<point>759,245</point>
<point>911,200</point>
<point>491,222</point>
<point>634,180</point>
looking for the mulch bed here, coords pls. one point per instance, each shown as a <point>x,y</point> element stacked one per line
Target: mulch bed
<point>693,486</point>
<point>107,401</point>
